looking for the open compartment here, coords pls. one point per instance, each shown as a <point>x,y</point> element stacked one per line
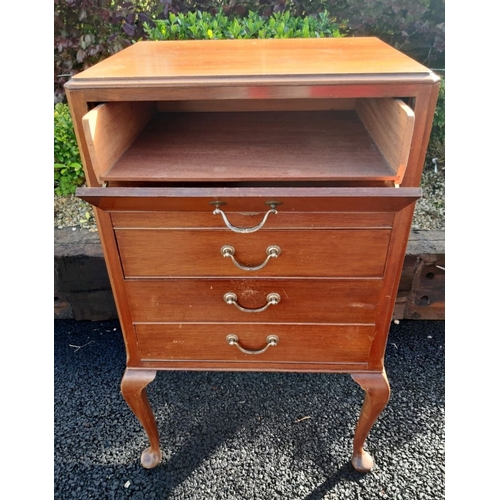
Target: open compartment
<point>309,140</point>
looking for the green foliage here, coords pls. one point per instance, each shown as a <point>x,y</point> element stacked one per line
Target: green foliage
<point>205,26</point>
<point>438,124</point>
<point>68,170</point>
<point>436,149</point>
<point>415,27</point>
<point>88,31</point>
<point>241,8</point>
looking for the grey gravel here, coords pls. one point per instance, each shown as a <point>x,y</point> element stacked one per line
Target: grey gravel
<point>246,435</point>
<point>70,211</point>
<point>430,209</point>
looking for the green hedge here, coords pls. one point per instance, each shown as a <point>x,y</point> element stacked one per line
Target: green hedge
<point>436,149</point>
<point>416,27</point>
<point>204,26</point>
<point>68,170</point>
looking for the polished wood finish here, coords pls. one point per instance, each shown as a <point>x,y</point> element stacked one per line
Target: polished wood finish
<point>250,60</point>
<point>340,253</point>
<point>302,301</point>
<point>284,220</point>
<point>307,140</point>
<point>248,200</point>
<point>298,343</point>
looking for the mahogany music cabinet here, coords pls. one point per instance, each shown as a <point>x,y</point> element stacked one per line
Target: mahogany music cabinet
<point>254,200</point>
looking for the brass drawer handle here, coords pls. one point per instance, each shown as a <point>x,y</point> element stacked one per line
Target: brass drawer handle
<point>246,230</point>
<point>271,251</point>
<point>232,299</point>
<point>271,340</point>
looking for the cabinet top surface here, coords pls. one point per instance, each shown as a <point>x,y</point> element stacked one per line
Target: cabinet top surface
<point>250,60</point>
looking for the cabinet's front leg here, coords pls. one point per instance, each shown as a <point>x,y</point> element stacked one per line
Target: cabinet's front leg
<point>377,391</point>
<point>133,389</point>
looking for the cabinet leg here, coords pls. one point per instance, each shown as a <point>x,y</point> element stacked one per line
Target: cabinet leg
<point>377,391</point>
<point>133,389</point>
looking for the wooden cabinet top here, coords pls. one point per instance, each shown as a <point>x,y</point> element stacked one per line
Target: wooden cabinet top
<point>269,61</point>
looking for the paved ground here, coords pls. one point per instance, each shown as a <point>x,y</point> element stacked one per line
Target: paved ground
<point>246,436</point>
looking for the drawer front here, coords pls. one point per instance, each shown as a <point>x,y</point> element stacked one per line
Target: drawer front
<point>299,301</point>
<point>303,253</point>
<point>296,343</point>
<point>245,200</point>
<point>281,220</point>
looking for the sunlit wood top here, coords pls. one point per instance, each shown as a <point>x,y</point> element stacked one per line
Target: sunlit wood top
<point>251,60</point>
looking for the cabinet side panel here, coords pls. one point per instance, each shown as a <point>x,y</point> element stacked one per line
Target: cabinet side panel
<point>390,124</point>
<point>115,272</point>
<point>110,128</point>
<point>79,108</point>
<point>424,107</point>
<point>392,276</point>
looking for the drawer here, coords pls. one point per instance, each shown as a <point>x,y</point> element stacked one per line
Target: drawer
<point>295,343</point>
<point>369,142</point>
<point>304,253</point>
<point>299,301</point>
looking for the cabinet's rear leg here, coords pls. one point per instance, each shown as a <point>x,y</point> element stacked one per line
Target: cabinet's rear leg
<point>133,388</point>
<point>377,391</point>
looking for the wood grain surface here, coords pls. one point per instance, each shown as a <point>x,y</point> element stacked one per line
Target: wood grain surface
<point>336,253</point>
<point>252,58</point>
<point>302,301</point>
<point>255,146</point>
<point>297,343</point>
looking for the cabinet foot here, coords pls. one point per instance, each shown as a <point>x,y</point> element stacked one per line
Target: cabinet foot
<point>150,457</point>
<point>377,391</point>
<point>133,389</point>
<point>362,462</point>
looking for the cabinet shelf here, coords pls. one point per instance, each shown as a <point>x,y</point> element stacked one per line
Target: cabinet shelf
<point>264,146</point>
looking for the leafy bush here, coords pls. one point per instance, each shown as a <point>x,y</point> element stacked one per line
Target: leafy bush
<point>415,27</point>
<point>438,126</point>
<point>88,31</point>
<point>68,170</point>
<point>436,149</point>
<point>204,26</point>
<point>241,8</point>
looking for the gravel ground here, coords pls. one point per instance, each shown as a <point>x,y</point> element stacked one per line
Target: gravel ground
<point>429,212</point>
<point>246,435</point>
